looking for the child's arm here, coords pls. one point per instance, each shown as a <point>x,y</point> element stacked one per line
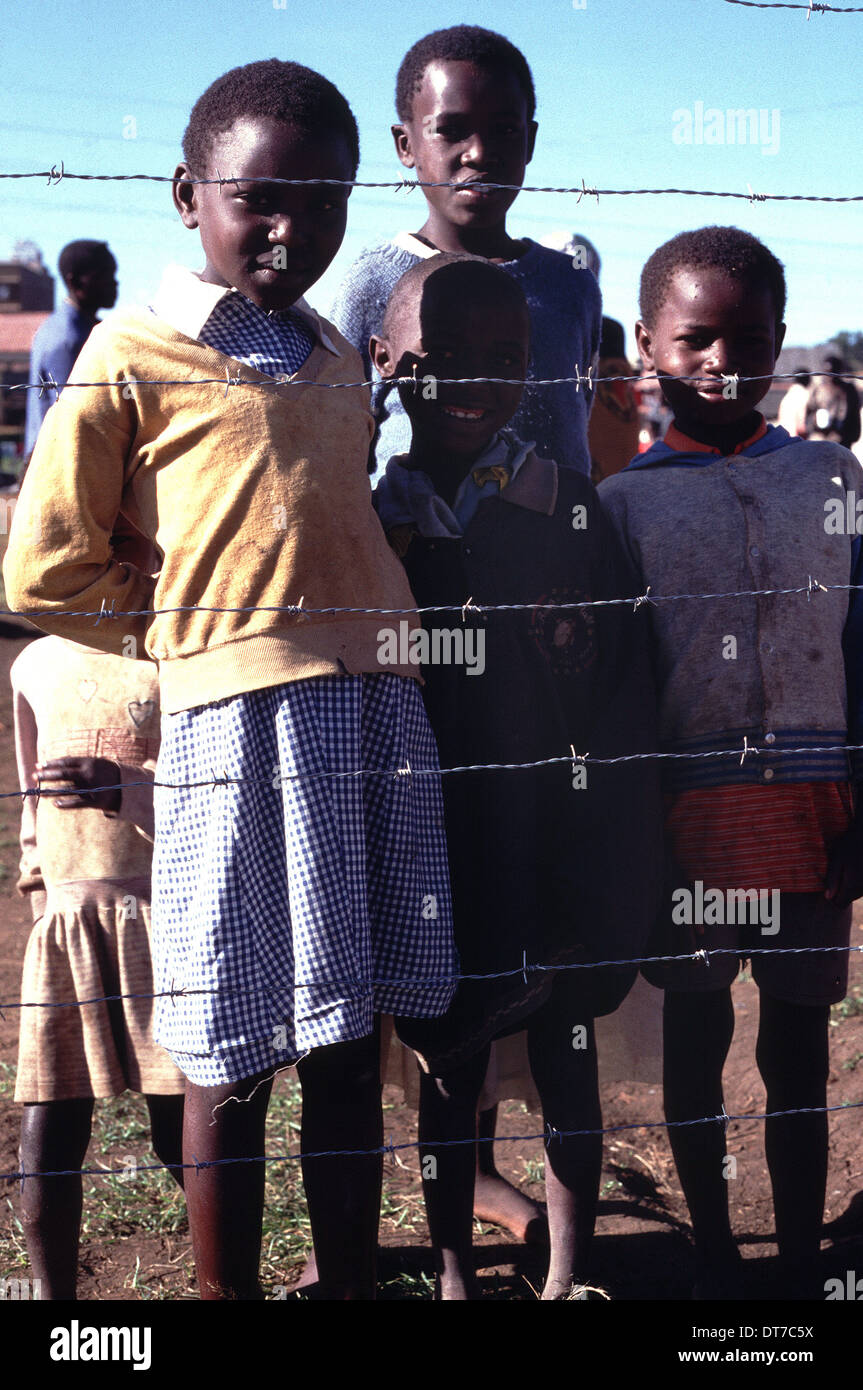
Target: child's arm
<point>30,881</point>
<point>844,880</point>
<point>118,790</point>
<point>60,555</point>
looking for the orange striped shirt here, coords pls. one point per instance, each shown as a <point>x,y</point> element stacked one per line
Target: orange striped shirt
<point>758,837</point>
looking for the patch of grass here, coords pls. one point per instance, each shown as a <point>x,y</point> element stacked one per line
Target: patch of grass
<point>612,1185</point>
<point>534,1170</point>
<point>853,1062</point>
<point>8,1073</point>
<point>287,1239</point>
<point>407,1286</point>
<point>850,1007</point>
<point>14,1250</point>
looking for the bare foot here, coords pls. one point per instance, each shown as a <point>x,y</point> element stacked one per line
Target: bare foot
<point>309,1275</point>
<point>497,1201</point>
<point>561,1290</point>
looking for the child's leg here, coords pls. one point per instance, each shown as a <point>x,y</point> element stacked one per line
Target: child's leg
<point>342,1110</point>
<point>497,1200</point>
<point>793,1058</point>
<point>447,1111</point>
<point>697,1032</point>
<point>54,1136</point>
<point>566,1078</point>
<point>226,1202</point>
<point>166,1130</point>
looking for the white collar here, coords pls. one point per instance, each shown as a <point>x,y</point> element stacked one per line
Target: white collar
<point>406,241</point>
<point>185,301</point>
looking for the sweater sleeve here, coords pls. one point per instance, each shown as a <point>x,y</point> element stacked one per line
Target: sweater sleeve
<point>852,647</point>
<point>136,797</point>
<point>59,560</point>
<point>360,303</point>
<point>351,312</point>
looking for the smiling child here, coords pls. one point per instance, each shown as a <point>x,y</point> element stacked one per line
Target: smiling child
<point>552,865</point>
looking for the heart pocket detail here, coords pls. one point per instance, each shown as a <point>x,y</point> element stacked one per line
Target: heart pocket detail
<point>140,711</point>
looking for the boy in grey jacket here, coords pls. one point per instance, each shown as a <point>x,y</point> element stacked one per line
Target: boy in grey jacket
<point>766,846</point>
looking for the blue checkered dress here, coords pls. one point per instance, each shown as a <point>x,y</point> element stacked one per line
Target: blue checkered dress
<point>288,897</point>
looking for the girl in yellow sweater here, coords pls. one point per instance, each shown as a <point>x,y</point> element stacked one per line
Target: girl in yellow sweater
<point>294,899</point>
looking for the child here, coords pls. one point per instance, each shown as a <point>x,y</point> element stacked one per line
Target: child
<point>283,882</point>
<point>551,865</point>
<point>725,505</point>
<point>93,721</point>
<point>89,272</point>
<point>465,102</point>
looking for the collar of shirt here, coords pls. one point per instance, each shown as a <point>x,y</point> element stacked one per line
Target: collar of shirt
<point>685,444</point>
<point>678,449</point>
<point>185,301</point>
<point>407,496</point>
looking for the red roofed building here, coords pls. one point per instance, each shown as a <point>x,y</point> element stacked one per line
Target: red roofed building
<point>26,301</point>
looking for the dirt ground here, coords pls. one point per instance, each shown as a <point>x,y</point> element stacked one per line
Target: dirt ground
<point>642,1249</point>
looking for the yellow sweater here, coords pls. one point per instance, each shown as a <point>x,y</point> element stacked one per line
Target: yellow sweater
<point>254,497</point>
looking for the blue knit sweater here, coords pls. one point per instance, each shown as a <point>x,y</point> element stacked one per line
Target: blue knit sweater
<point>565,319</point>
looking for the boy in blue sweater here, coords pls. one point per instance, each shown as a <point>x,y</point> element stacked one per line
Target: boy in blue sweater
<point>465,101</point>
<point>552,864</point>
<point>766,845</point>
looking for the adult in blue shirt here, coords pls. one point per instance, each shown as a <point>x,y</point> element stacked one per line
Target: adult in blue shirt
<point>89,273</point>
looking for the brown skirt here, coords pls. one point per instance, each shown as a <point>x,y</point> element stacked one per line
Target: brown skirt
<point>93,940</point>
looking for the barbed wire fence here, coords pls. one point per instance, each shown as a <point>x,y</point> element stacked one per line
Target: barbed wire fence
<point>54,176</point>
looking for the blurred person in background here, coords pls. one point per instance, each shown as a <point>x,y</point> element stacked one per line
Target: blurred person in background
<point>833,406</point>
<point>89,272</point>
<point>792,407</point>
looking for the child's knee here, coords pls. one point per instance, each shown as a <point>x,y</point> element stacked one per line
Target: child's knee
<point>55,1134</point>
<point>792,1051</point>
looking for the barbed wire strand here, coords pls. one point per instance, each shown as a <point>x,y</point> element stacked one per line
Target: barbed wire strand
<point>575,759</point>
<point>548,1135</point>
<point>55,176</point>
<point>811,6</point>
<point>525,967</point>
<point>813,586</point>
<point>588,379</point>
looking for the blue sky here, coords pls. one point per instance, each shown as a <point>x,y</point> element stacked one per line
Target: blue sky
<point>612,81</point>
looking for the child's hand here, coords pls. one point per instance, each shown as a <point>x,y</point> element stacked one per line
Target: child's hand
<point>844,880</point>
<point>95,778</point>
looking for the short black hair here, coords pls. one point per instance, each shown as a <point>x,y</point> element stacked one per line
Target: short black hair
<point>79,257</point>
<point>465,275</point>
<point>741,256</point>
<point>288,92</point>
<point>463,43</point>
